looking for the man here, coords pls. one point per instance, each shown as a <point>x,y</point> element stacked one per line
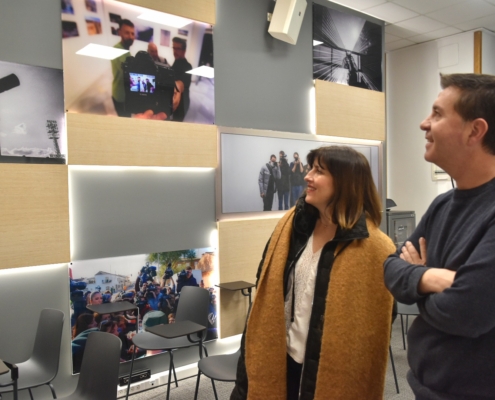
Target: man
<point>269,174</point>
<point>153,52</point>
<point>296,179</point>
<point>447,266</point>
<point>186,279</point>
<point>126,32</point>
<point>180,66</point>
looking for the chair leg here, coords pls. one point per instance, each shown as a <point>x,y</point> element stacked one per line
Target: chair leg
<point>170,373</point>
<point>403,336</point>
<point>206,351</point>
<point>197,385</point>
<point>175,375</point>
<point>393,368</point>
<point>407,323</point>
<point>30,394</point>
<point>214,389</point>
<point>53,390</point>
<point>16,391</point>
<point>130,375</point>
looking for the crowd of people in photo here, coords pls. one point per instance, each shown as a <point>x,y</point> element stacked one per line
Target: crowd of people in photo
<point>287,180</point>
<point>156,301</point>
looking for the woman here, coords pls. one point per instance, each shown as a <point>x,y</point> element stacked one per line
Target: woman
<point>320,324</point>
<point>83,322</point>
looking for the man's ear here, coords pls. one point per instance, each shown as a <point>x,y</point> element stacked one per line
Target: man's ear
<point>479,127</point>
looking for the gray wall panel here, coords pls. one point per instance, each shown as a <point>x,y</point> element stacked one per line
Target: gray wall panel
<point>260,82</point>
<point>31,32</point>
<point>139,210</point>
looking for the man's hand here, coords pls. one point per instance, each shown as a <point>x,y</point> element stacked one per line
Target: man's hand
<point>262,195</point>
<point>148,114</point>
<point>436,280</point>
<point>410,254</point>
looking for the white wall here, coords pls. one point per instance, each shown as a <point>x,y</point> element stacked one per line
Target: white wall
<point>412,78</point>
<point>488,52</point>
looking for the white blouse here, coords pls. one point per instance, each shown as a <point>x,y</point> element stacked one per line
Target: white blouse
<point>305,276</point>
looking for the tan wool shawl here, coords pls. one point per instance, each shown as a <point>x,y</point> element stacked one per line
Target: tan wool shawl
<point>356,333</point>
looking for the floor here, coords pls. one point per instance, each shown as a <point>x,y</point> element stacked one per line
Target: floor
<point>187,386</point>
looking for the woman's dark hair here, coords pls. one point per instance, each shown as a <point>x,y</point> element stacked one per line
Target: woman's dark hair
<point>354,189</point>
<point>82,323</point>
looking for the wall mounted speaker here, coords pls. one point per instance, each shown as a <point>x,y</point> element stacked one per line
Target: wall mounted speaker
<point>287,19</point>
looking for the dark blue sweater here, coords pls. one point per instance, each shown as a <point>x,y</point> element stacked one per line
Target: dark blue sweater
<point>452,342</point>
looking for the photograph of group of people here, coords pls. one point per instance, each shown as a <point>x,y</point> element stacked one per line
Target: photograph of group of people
<point>98,83</point>
<point>262,173</point>
<point>152,282</point>
<point>142,83</point>
<point>32,121</point>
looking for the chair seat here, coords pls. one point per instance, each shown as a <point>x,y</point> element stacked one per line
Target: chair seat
<point>30,375</point>
<point>150,341</point>
<point>220,368</point>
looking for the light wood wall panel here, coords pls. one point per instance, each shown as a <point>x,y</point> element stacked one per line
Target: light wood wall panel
<point>34,215</point>
<point>199,10</point>
<point>241,245</point>
<point>348,111</point>
<point>478,54</point>
<point>104,140</point>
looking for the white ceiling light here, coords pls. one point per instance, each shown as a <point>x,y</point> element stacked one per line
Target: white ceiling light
<point>165,19</point>
<point>207,72</point>
<point>99,51</point>
<point>316,42</point>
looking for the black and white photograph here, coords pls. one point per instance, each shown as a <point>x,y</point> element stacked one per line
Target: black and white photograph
<point>152,282</point>
<point>347,49</point>
<point>262,173</point>
<point>123,39</point>
<point>32,122</point>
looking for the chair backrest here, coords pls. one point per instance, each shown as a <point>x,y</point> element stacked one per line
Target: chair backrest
<point>46,350</point>
<point>193,305</point>
<point>100,367</point>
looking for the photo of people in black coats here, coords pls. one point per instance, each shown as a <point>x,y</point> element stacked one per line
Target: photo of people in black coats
<point>262,173</point>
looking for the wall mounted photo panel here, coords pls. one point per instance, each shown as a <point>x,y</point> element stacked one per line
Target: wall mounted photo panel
<point>32,122</point>
<point>266,173</point>
<point>124,211</point>
<point>347,48</point>
<point>152,282</point>
<point>122,44</point>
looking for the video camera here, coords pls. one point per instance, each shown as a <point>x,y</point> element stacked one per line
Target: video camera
<point>148,273</point>
<point>148,85</point>
<point>77,296</point>
<point>169,272</point>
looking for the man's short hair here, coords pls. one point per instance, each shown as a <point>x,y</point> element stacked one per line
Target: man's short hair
<point>125,22</point>
<point>181,41</point>
<point>476,100</point>
<point>273,155</point>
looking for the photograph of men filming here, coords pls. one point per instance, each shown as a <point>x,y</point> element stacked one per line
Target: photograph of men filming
<point>139,64</point>
<point>152,282</point>
<point>261,173</point>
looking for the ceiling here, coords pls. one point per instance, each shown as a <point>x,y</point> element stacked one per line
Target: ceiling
<point>415,21</point>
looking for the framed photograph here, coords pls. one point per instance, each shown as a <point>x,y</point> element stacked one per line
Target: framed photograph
<point>67,7</point>
<point>90,5</point>
<point>93,25</point>
<point>32,119</point>
<point>183,32</point>
<point>248,158</point>
<point>153,282</point>
<point>347,49</point>
<point>164,38</point>
<point>69,29</point>
<point>97,83</point>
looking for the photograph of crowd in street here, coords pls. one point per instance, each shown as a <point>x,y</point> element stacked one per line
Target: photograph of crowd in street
<point>107,45</point>
<point>261,173</point>
<point>152,282</point>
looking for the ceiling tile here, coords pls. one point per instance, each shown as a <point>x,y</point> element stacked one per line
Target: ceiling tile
<point>359,4</point>
<point>426,6</point>
<point>421,24</point>
<point>448,31</point>
<point>398,44</point>
<point>391,38</point>
<point>463,12</point>
<point>487,22</point>
<point>398,31</point>
<point>391,12</point>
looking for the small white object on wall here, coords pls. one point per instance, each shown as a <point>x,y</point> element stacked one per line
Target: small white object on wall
<point>286,20</point>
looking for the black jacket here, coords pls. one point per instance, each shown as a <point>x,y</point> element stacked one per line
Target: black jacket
<point>304,224</point>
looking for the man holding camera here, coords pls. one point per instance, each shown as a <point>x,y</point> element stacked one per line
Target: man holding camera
<point>126,32</point>
<point>269,174</point>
